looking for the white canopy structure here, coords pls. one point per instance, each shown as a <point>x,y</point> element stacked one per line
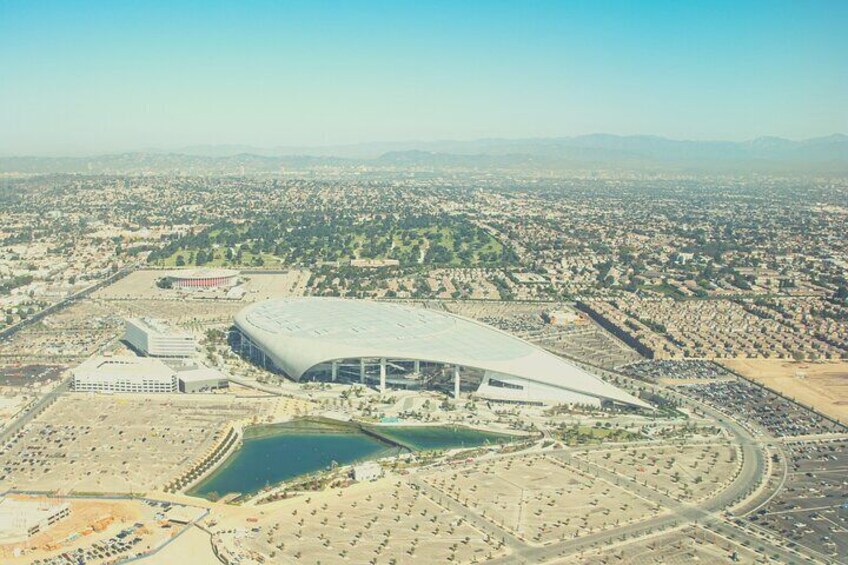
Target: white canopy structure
<point>309,336</point>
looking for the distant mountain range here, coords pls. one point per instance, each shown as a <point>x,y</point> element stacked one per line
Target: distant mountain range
<point>822,155</point>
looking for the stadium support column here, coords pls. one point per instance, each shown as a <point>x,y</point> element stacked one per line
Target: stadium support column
<point>417,367</point>
<point>362,370</point>
<point>456,381</point>
<point>334,371</point>
<point>382,375</point>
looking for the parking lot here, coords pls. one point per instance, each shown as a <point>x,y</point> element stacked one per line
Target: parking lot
<point>811,510</point>
<point>667,371</point>
<point>130,443</point>
<point>779,415</point>
<point>26,376</point>
<point>591,344</point>
<point>582,338</point>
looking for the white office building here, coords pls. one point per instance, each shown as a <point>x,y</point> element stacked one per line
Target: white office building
<point>152,338</point>
<point>124,374</point>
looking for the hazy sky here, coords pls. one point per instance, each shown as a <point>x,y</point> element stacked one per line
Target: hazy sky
<point>82,77</point>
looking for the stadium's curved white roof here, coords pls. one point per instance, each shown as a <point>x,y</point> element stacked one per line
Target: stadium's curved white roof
<point>300,333</point>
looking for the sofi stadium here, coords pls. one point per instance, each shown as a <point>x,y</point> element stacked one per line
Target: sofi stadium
<point>389,345</point>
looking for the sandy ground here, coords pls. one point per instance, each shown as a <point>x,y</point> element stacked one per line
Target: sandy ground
<point>11,405</point>
<point>701,469</point>
<point>824,386</point>
<point>192,546</point>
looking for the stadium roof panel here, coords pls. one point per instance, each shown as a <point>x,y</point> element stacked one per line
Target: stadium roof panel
<point>300,333</point>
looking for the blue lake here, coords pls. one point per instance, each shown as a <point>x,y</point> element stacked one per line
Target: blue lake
<point>277,453</point>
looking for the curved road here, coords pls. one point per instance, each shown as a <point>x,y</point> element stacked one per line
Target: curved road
<point>706,513</point>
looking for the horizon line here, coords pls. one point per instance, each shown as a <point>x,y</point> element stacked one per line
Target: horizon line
<point>302,147</point>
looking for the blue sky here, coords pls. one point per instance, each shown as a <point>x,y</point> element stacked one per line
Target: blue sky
<point>83,77</point>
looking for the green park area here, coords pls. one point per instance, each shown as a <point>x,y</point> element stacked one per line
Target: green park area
<point>450,241</point>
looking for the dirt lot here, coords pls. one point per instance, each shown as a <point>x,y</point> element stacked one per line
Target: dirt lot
<point>824,386</point>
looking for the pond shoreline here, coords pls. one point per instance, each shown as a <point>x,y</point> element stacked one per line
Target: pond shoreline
<point>272,454</point>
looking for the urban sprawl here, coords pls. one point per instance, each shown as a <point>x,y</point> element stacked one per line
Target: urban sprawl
<point>720,303</point>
